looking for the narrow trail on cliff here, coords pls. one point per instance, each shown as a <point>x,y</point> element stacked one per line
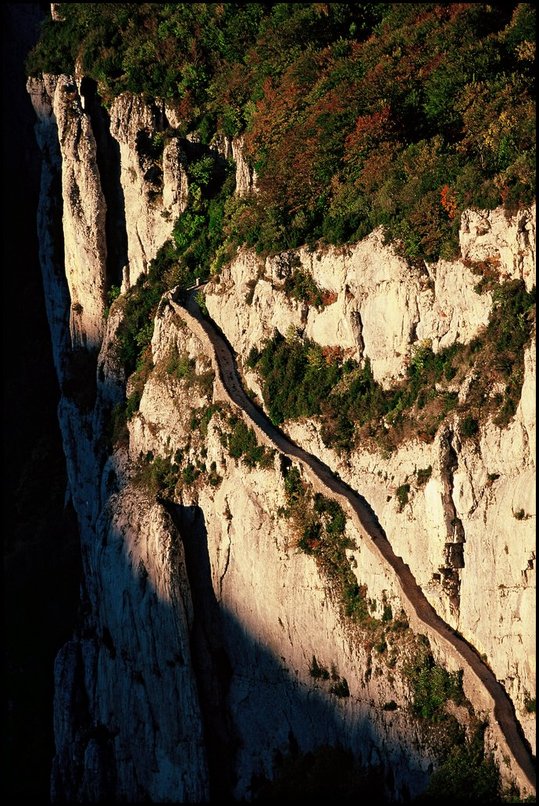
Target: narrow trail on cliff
<point>504,712</point>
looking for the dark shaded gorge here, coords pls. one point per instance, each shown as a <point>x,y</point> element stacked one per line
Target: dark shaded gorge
<point>41,556</point>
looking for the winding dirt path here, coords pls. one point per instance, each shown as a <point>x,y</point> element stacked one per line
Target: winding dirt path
<point>506,726</point>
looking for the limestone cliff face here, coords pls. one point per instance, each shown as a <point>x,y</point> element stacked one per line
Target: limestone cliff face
<point>49,219</point>
<point>155,187</point>
<point>84,212</point>
<point>276,612</point>
<point>127,716</point>
<point>128,722</point>
<point>509,241</point>
<point>245,175</point>
<point>468,532</point>
<point>153,192</point>
<point>265,587</point>
<point>378,307</point>
<point>107,704</point>
<point>238,687</point>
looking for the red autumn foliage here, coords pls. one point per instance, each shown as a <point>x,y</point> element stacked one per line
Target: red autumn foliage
<point>449,201</point>
<point>332,355</point>
<point>329,297</point>
<point>368,132</point>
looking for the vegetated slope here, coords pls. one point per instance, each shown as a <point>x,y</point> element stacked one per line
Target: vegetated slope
<point>353,115</point>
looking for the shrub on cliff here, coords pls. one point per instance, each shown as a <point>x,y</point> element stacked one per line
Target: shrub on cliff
<point>467,775</point>
<point>243,444</point>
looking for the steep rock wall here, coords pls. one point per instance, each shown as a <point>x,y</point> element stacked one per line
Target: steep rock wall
<point>154,193</point>
<point>370,566</point>
<point>467,532</point>
<point>509,240</point>
<point>114,684</point>
<point>482,690</point>
<point>85,249</point>
<point>127,717</point>
<point>155,185</point>
<point>489,491</point>
<point>245,176</point>
<point>155,188</point>
<point>117,690</point>
<point>132,565</point>
<point>126,680</point>
<point>49,218</point>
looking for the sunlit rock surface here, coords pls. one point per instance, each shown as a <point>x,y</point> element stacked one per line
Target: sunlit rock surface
<point>200,619</point>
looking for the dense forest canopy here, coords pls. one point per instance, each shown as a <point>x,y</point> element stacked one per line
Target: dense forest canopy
<point>353,115</point>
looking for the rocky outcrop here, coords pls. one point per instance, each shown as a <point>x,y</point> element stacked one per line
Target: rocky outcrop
<point>56,14</point>
<point>153,180</point>
<point>57,104</point>
<point>245,175</point>
<point>153,192</point>
<point>174,180</point>
<point>153,175</point>
<point>507,241</point>
<point>85,250</point>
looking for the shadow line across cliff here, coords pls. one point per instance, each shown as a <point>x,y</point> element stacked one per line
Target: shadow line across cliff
<point>242,683</point>
<point>129,731</point>
<point>504,711</point>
